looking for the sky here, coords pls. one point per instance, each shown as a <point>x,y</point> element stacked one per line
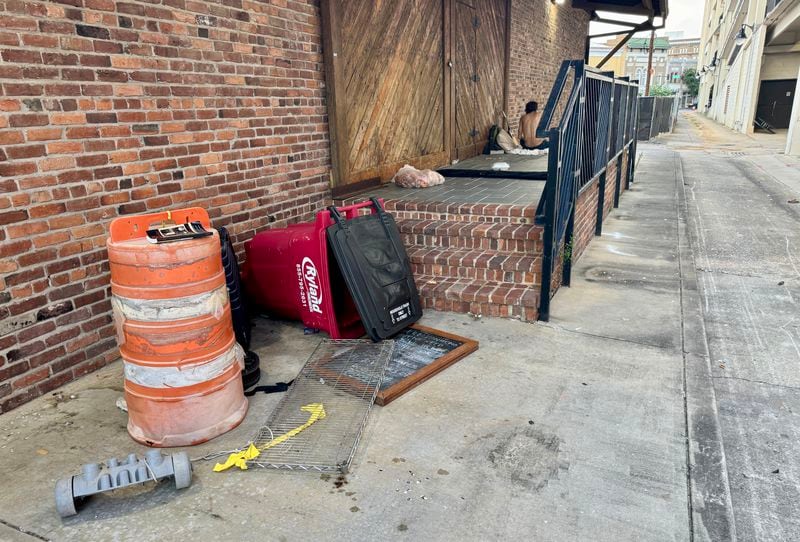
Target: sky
<point>685,15</point>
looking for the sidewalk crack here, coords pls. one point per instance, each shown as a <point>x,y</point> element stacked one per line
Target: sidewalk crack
<point>771,384</point>
<point>23,531</point>
<point>744,275</point>
<point>620,339</point>
<point>679,178</point>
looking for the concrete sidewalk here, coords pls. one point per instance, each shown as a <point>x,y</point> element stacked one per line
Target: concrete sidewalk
<point>572,430</point>
<point>744,224</point>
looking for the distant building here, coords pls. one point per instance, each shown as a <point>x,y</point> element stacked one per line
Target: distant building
<point>598,51</point>
<point>681,55</point>
<point>671,57</point>
<point>636,56</point>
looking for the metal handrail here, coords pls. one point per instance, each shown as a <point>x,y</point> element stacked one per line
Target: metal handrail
<point>596,126</point>
<point>545,123</point>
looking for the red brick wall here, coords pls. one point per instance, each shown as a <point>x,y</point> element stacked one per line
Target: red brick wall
<point>542,35</point>
<point>558,269</point>
<point>110,108</point>
<point>586,206</point>
<point>585,218</point>
<point>624,176</point>
<point>611,184</point>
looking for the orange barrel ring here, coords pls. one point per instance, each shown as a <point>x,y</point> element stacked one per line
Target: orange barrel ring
<point>155,341</point>
<point>170,302</point>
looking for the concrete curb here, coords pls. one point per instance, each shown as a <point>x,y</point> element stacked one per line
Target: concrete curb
<point>710,502</point>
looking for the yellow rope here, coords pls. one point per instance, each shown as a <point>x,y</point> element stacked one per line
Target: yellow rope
<point>240,459</point>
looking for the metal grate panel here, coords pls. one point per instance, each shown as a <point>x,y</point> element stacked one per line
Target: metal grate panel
<point>344,377</point>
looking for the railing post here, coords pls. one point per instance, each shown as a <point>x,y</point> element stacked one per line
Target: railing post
<point>566,267</point>
<point>629,178</point>
<point>601,203</point>
<point>618,180</point>
<point>631,165</point>
<point>608,115</point>
<point>550,226</point>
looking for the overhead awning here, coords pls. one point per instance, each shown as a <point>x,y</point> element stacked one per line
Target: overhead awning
<point>634,16</point>
<point>648,8</point>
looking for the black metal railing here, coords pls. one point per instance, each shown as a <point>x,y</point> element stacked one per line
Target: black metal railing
<point>588,130</point>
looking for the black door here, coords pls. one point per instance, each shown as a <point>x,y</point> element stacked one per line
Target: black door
<point>775,102</point>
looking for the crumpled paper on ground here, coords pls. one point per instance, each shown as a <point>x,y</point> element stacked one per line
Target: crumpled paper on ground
<point>411,177</point>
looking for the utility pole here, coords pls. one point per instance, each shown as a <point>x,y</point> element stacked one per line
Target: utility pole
<point>650,63</point>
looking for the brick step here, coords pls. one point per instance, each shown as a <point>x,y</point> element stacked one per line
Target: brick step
<point>454,212</point>
<point>521,238</point>
<point>475,264</point>
<point>487,298</point>
<point>462,212</point>
<point>453,217</point>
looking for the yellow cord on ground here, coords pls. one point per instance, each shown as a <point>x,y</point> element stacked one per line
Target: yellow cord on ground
<point>240,459</point>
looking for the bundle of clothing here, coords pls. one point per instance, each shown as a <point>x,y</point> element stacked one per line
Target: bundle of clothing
<point>501,140</point>
<point>527,152</point>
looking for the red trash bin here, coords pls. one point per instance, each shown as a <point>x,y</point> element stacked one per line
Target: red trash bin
<point>291,273</point>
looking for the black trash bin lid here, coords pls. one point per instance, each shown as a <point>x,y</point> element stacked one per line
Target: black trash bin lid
<point>376,269</point>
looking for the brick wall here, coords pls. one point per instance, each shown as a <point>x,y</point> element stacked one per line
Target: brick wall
<point>611,186</point>
<point>587,204</point>
<point>585,218</point>
<point>624,176</point>
<point>542,35</point>
<point>117,107</point>
<point>588,201</point>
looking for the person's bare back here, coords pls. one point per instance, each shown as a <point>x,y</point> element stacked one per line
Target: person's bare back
<point>528,124</point>
<point>527,128</point>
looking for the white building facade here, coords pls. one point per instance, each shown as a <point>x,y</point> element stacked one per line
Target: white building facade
<point>749,63</point>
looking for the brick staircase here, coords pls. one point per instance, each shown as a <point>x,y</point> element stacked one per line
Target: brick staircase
<point>483,259</point>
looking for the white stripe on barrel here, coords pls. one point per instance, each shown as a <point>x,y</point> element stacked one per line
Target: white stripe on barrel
<point>176,308</point>
<point>188,375</point>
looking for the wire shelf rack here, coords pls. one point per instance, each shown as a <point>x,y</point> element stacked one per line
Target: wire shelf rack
<point>344,377</point>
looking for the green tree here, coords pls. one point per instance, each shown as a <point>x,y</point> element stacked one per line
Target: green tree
<point>661,90</point>
<point>692,81</point>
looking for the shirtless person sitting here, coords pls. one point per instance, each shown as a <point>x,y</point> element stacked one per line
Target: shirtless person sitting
<point>527,128</point>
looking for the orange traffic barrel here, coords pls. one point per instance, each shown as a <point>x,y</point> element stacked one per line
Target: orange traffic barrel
<point>183,382</point>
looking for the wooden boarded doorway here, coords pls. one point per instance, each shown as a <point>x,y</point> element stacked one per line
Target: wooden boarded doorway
<point>410,81</point>
<point>479,72</point>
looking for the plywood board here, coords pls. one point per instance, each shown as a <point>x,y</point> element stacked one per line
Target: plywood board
<point>388,84</point>
<point>410,81</point>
